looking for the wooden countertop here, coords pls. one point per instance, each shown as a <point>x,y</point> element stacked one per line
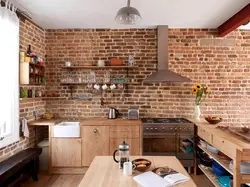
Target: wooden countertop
<point>87,122</point>
<point>234,139</point>
<point>104,172</point>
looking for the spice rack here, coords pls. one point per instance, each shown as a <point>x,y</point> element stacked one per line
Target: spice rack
<point>37,73</point>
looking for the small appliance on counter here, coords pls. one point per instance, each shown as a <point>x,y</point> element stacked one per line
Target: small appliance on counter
<point>113,113</point>
<point>123,150</point>
<point>133,113</point>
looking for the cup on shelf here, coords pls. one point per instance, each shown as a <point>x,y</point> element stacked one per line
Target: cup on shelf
<point>104,87</point>
<point>68,63</point>
<point>89,86</point>
<point>100,63</point>
<point>97,86</point>
<point>112,86</point>
<point>120,86</point>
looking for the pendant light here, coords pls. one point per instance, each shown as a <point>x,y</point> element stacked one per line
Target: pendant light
<point>128,15</point>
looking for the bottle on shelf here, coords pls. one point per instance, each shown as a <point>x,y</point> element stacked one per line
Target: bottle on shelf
<point>28,52</point>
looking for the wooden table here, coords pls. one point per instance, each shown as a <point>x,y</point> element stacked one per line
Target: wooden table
<point>104,172</point>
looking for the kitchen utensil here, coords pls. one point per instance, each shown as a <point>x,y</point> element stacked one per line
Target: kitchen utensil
<point>212,149</point>
<point>133,113</point>
<point>97,86</point>
<point>128,168</point>
<point>130,60</point>
<point>113,113</point>
<point>104,87</point>
<point>218,169</point>
<point>68,63</point>
<point>113,86</point>
<point>223,156</point>
<point>187,143</point>
<point>205,159</point>
<point>224,181</point>
<point>245,129</point>
<point>141,164</point>
<point>116,62</point>
<point>48,116</point>
<point>123,150</point>
<point>213,120</point>
<point>101,63</point>
<point>203,144</point>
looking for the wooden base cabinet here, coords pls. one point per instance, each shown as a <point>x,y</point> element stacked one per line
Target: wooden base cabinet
<point>66,152</point>
<point>95,141</point>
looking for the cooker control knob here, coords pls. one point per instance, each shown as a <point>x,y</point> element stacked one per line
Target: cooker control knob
<point>151,128</point>
<point>175,128</point>
<point>179,128</point>
<point>147,128</point>
<point>155,128</point>
<point>189,128</point>
<point>171,128</point>
<point>163,128</point>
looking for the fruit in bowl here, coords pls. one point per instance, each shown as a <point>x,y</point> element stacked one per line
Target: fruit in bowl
<point>213,120</point>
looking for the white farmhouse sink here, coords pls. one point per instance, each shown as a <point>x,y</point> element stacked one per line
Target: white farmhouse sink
<point>67,130</point>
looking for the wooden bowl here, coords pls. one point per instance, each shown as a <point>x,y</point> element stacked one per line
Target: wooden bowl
<point>245,129</point>
<point>141,164</point>
<point>213,121</point>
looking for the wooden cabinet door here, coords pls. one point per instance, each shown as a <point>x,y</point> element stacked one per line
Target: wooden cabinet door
<point>95,142</point>
<point>66,152</point>
<point>133,143</point>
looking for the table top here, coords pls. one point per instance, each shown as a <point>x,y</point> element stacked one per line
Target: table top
<point>104,172</point>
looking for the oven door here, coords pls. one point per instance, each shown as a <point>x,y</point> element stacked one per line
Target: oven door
<point>157,144</point>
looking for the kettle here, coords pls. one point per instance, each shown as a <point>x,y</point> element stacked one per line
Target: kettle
<point>123,154</point>
<point>113,113</point>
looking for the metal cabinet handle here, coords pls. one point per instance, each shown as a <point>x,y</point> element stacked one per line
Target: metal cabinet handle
<point>95,131</point>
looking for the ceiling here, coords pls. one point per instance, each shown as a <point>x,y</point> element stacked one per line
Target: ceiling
<point>101,13</point>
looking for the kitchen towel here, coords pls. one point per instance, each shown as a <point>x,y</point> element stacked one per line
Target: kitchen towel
<point>25,128</point>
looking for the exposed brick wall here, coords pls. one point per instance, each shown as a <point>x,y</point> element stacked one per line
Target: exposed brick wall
<point>221,63</point>
<point>29,34</point>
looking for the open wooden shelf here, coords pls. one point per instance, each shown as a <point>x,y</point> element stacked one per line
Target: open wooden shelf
<point>32,98</point>
<point>98,67</point>
<point>216,157</point>
<point>29,85</point>
<point>209,174</point>
<point>78,84</point>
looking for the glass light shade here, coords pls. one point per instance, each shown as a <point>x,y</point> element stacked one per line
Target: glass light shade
<point>128,16</point>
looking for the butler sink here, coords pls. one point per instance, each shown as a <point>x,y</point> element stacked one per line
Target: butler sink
<point>67,130</point>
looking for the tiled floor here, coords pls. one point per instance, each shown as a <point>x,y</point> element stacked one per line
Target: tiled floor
<point>46,180</point>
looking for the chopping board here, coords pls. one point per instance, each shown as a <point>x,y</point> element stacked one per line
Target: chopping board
<point>238,131</point>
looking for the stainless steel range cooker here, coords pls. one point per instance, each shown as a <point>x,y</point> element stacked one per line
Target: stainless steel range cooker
<point>164,136</point>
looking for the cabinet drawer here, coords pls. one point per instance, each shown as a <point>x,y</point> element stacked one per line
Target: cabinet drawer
<point>225,146</point>
<point>205,135</point>
<point>124,132</point>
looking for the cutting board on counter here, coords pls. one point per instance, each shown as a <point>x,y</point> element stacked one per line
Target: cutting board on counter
<point>238,131</point>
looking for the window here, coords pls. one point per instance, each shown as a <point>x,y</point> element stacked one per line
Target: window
<point>9,73</point>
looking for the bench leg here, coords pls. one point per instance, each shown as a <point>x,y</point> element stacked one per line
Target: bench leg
<point>35,169</point>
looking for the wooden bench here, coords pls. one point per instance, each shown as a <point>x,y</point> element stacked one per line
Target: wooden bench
<point>20,167</point>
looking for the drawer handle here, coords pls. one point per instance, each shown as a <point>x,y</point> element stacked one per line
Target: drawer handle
<point>95,131</point>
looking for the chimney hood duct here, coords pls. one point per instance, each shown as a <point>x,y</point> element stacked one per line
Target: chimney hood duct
<point>164,74</point>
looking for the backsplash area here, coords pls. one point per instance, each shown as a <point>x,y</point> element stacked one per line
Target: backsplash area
<point>220,63</point>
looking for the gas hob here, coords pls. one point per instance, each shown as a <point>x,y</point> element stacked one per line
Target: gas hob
<point>165,121</point>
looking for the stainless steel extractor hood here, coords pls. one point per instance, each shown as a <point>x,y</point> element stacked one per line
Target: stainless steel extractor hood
<point>164,74</point>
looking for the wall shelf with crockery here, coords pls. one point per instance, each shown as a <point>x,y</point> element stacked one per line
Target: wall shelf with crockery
<point>78,84</point>
<point>98,67</point>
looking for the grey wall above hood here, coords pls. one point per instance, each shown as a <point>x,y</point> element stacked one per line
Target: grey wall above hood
<point>164,74</point>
